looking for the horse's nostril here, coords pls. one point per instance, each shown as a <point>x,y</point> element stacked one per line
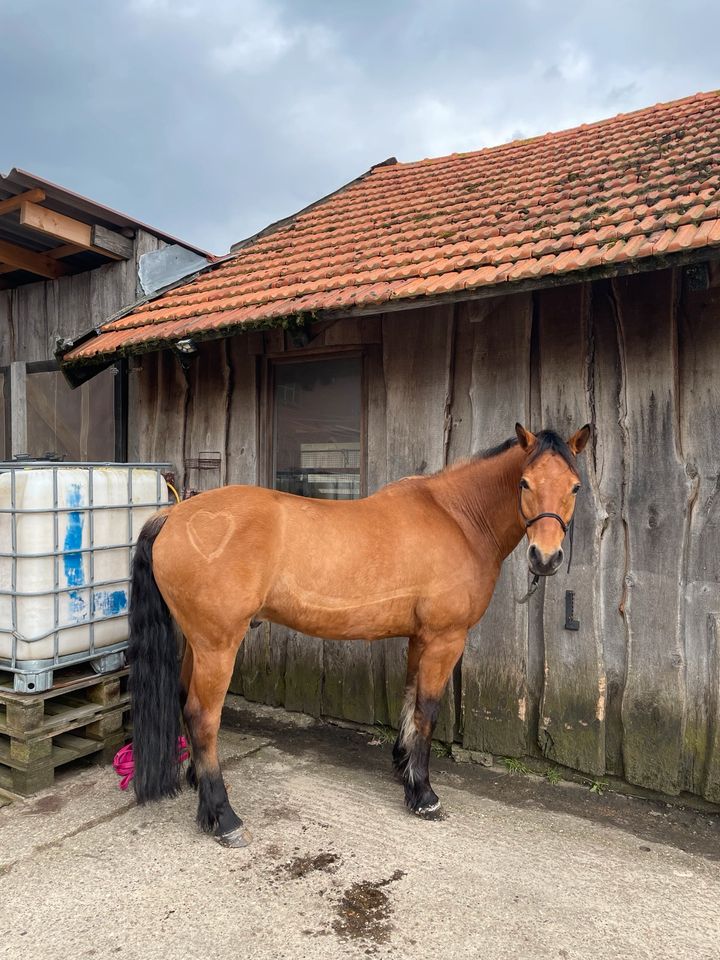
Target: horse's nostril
<point>534,553</point>
<point>558,558</point>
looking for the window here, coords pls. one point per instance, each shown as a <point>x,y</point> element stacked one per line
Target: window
<point>317,427</point>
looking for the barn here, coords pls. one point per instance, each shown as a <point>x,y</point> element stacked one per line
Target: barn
<point>64,257</point>
<point>408,320</point>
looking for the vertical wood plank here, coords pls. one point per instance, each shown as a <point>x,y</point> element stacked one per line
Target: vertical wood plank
<point>303,670</point>
<point>350,668</point>
<point>572,714</point>
<point>494,667</point>
<point>607,453</point>
<point>260,667</point>
<point>7,328</point>
<point>699,419</point>
<point>655,513</point>
<point>711,783</point>
<point>157,394</point>
<point>241,443</point>
<point>377,474</point>
<point>18,408</point>
<point>417,346</point>
<point>207,411</point>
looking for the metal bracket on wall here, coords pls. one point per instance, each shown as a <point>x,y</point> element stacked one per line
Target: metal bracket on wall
<point>570,622</point>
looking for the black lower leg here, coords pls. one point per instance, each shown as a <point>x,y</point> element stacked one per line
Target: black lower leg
<point>419,795</point>
<point>215,815</point>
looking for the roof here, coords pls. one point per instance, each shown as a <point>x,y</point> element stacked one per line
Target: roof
<point>632,191</point>
<point>48,231</point>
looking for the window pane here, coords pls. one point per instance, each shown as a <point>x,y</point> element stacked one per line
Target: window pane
<point>73,424</point>
<point>316,435</point>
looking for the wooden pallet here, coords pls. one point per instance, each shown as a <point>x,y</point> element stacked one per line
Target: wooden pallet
<point>83,715</point>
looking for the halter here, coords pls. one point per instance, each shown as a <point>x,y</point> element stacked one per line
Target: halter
<point>528,523</point>
<point>552,516</point>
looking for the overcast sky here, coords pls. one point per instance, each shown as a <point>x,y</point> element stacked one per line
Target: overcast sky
<point>209,119</point>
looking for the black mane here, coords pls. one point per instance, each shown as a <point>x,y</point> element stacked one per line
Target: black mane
<point>547,442</point>
<point>497,450</point>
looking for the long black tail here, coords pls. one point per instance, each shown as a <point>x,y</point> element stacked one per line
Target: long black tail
<point>154,677</point>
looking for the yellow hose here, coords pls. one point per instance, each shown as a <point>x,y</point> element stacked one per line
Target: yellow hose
<point>175,493</point>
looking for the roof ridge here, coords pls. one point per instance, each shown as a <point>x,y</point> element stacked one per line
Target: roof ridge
<point>551,134</point>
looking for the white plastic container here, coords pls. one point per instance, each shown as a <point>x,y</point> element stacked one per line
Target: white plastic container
<point>66,538</point>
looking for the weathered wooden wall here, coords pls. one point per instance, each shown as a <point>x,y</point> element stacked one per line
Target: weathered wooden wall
<point>34,315</point>
<point>636,690</point>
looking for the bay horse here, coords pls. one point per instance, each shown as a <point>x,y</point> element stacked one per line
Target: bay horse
<point>419,558</point>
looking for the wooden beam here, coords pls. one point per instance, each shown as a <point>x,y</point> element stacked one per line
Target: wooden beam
<point>85,236</point>
<point>66,250</point>
<point>55,224</point>
<point>14,203</point>
<point>111,244</point>
<point>22,259</point>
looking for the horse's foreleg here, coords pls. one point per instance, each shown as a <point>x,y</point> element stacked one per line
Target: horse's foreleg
<point>438,654</point>
<point>400,754</point>
<point>210,678</point>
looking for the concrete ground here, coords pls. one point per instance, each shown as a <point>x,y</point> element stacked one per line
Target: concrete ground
<point>519,868</point>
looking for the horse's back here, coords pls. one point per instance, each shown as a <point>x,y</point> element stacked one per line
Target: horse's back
<point>328,567</point>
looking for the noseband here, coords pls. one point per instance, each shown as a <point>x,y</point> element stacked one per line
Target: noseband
<point>528,523</point>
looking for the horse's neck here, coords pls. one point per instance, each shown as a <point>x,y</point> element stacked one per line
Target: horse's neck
<point>482,495</point>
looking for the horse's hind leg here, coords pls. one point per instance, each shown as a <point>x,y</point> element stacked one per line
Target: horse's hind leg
<point>437,655</point>
<point>185,676</point>
<point>211,672</point>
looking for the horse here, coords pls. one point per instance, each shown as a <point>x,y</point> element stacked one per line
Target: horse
<point>419,559</point>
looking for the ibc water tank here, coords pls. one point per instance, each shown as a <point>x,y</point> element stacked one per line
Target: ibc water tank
<point>66,536</point>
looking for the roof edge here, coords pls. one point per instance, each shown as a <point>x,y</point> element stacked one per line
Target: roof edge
<point>78,371</point>
<point>24,179</point>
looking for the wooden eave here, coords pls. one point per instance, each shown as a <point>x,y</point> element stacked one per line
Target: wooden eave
<point>43,239</point>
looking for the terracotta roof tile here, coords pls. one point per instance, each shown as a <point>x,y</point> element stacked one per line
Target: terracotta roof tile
<point>637,185</point>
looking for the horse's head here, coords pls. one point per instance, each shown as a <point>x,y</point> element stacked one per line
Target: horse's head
<point>548,487</point>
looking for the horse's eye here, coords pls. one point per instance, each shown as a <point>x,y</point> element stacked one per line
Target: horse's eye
<point>576,488</point>
<point>524,485</point>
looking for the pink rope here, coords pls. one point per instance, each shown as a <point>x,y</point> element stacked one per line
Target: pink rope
<point>124,762</point>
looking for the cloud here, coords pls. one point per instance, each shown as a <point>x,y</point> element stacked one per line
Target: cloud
<point>257,43</point>
<point>211,118</point>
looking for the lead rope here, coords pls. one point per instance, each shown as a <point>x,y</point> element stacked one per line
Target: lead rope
<point>531,589</point>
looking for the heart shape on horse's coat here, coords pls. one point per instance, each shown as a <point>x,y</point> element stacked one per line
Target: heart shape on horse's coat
<point>210,532</point>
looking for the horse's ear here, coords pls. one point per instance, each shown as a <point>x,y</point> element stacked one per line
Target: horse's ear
<point>578,441</point>
<point>525,438</point>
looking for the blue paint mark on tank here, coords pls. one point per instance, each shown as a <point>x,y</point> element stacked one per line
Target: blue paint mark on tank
<point>109,603</point>
<point>72,557</point>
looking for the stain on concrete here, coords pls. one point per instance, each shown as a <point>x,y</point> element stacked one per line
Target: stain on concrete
<point>300,867</point>
<point>364,911</point>
<point>52,803</point>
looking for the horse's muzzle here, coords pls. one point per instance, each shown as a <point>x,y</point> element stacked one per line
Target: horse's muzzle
<point>544,566</point>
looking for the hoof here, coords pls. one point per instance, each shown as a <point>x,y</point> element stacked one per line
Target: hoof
<point>239,837</point>
<point>432,811</point>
